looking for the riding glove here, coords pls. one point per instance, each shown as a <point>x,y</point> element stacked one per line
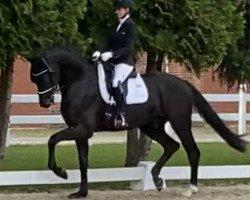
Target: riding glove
<point>106,56</point>
<point>96,55</point>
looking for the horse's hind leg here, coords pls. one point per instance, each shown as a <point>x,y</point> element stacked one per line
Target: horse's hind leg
<point>169,145</point>
<point>185,134</point>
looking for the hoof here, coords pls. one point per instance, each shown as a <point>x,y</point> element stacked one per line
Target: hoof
<point>61,172</point>
<point>78,195</point>
<point>192,190</point>
<point>158,183</point>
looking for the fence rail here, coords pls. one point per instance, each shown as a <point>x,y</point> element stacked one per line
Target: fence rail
<point>33,98</point>
<point>140,176</point>
<point>241,116</point>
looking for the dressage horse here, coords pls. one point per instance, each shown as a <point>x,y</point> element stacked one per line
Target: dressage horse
<point>170,100</point>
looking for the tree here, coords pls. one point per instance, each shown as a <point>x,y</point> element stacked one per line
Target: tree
<point>26,27</point>
<point>196,33</point>
<point>235,67</point>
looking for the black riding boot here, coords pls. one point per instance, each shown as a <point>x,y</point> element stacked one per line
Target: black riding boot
<point>120,118</point>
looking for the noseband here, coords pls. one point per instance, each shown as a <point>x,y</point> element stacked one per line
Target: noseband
<point>55,86</point>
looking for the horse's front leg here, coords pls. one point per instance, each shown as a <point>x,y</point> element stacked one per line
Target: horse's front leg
<point>83,148</point>
<point>66,134</point>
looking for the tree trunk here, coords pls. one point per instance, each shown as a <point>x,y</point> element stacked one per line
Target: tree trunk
<point>151,62</point>
<point>138,147</point>
<point>132,156</point>
<point>159,62</point>
<point>144,146</point>
<point>5,96</point>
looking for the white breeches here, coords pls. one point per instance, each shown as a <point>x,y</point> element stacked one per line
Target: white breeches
<point>121,73</point>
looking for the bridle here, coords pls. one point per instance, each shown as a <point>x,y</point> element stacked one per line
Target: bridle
<point>55,86</point>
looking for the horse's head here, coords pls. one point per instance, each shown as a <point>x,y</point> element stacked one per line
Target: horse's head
<point>46,78</point>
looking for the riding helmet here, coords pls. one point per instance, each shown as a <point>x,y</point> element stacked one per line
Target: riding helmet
<point>122,4</point>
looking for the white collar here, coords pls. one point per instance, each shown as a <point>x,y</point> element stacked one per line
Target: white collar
<point>122,21</point>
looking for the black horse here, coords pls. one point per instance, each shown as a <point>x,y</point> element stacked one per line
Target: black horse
<point>170,100</point>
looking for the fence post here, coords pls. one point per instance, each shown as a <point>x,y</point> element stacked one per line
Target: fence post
<point>242,109</point>
<point>147,182</point>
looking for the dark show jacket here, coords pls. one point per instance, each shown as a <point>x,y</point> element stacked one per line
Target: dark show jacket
<point>121,43</point>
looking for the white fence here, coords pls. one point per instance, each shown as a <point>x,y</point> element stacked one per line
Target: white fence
<point>140,176</point>
<point>241,117</point>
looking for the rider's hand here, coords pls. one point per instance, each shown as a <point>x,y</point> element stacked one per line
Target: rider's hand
<point>96,55</point>
<point>106,56</point>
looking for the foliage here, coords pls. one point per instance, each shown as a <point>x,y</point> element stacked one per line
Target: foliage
<point>189,31</point>
<point>235,67</point>
<point>99,21</point>
<point>30,25</point>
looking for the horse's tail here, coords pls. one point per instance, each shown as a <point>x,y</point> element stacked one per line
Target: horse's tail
<point>217,124</point>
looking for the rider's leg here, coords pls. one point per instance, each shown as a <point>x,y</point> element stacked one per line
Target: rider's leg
<point>120,119</point>
<point>119,98</point>
<point>121,73</point>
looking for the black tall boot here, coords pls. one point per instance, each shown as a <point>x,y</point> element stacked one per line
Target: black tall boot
<point>120,118</point>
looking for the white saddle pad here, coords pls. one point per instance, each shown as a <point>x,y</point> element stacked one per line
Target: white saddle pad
<point>137,90</point>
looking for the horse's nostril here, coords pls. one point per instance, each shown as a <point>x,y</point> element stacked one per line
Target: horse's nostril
<point>45,105</point>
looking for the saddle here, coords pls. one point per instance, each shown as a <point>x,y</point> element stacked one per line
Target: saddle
<point>133,88</point>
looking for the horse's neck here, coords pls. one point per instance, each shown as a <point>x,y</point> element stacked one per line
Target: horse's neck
<point>72,71</point>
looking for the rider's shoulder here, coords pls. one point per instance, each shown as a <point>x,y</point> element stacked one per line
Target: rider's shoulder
<point>130,22</point>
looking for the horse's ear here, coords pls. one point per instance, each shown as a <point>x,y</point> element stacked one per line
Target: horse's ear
<point>30,59</point>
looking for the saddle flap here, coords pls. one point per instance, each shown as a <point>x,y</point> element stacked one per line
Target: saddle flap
<point>137,91</point>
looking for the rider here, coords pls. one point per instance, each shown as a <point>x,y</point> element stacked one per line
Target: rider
<point>118,51</point>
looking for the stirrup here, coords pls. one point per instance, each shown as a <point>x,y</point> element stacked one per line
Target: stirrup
<point>120,121</point>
